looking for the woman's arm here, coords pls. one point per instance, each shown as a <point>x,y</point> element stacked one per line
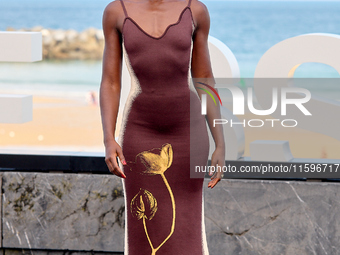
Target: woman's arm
<point>110,86</point>
<point>201,71</point>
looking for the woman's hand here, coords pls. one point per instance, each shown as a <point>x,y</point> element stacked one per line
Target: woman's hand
<point>217,158</point>
<point>112,151</point>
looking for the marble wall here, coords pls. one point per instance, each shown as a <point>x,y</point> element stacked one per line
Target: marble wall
<point>48,213</point>
<point>62,211</point>
<point>262,217</point>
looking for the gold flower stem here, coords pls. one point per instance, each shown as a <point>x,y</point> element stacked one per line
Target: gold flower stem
<point>173,210</point>
<point>147,235</point>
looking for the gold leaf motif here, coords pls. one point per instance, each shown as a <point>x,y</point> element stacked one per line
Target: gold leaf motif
<point>156,163</point>
<point>143,205</point>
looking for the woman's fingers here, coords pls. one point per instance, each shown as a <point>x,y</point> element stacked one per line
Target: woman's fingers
<point>215,165</point>
<point>213,176</point>
<point>213,182</point>
<point>121,157</point>
<point>117,169</point>
<point>217,175</point>
<point>113,152</point>
<point>113,167</point>
<point>211,172</point>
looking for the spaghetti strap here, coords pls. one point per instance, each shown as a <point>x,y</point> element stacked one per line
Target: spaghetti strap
<point>189,3</point>
<point>126,15</point>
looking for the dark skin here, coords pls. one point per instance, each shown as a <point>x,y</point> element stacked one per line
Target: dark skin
<point>110,87</point>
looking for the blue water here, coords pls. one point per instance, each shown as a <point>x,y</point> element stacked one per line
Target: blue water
<point>249,29</point>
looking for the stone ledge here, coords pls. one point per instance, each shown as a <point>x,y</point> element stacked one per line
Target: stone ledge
<point>62,211</point>
<point>85,213</point>
<point>9,251</point>
<point>272,217</point>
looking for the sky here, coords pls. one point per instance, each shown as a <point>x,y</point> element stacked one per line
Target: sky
<point>278,0</point>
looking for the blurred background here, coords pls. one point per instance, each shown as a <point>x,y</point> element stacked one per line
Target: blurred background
<point>65,85</point>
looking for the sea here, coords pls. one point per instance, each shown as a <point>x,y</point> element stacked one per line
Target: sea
<point>248,28</point>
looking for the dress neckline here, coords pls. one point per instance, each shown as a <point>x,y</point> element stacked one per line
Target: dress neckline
<point>166,29</point>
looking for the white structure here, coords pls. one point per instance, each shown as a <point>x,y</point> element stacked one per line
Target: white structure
<point>15,108</point>
<point>281,61</point>
<point>18,47</point>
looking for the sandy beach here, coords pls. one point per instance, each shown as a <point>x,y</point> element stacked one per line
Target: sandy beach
<point>73,124</point>
<point>58,123</point>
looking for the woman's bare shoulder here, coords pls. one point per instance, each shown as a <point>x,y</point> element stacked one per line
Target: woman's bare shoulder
<point>113,8</point>
<point>199,7</point>
<point>200,12</point>
<point>113,13</point>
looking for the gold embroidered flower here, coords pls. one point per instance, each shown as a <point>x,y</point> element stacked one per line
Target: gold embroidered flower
<point>143,205</point>
<point>156,161</point>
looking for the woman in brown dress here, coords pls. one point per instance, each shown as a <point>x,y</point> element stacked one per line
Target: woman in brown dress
<point>163,133</point>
